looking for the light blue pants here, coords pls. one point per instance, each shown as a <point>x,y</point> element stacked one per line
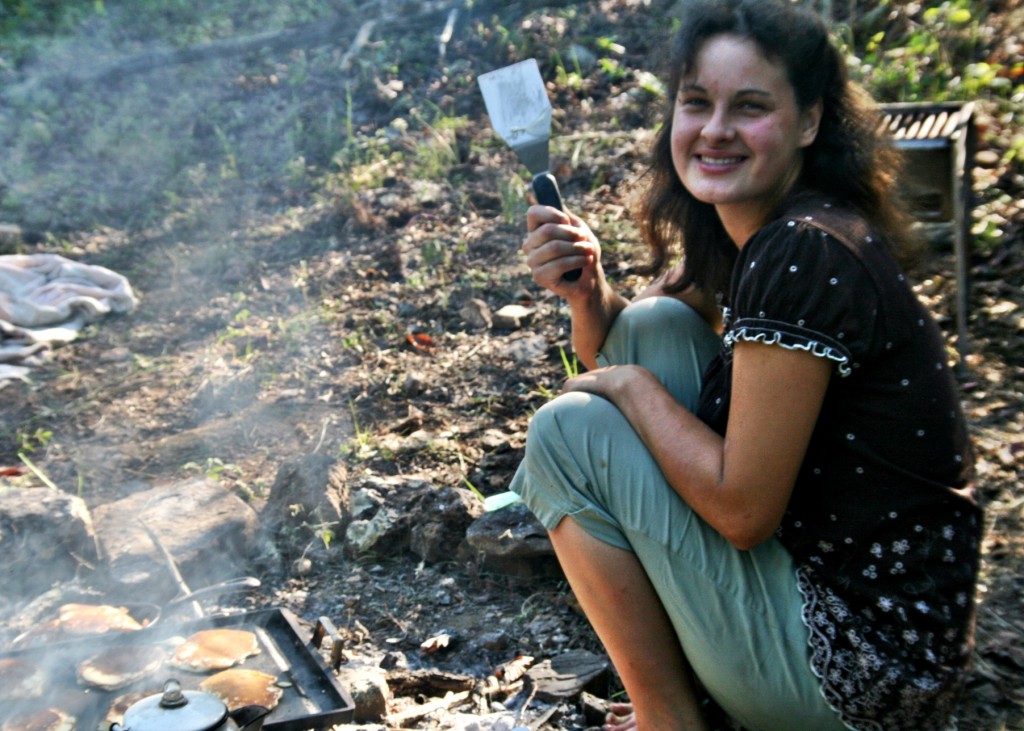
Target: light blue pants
<point>737,613</point>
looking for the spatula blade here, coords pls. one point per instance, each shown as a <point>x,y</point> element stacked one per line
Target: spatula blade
<point>520,110</point>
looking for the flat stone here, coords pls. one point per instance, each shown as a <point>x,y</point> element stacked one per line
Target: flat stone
<point>512,532</point>
<point>208,531</point>
<point>513,541</point>
<point>566,676</point>
<point>512,317</point>
<point>46,536</point>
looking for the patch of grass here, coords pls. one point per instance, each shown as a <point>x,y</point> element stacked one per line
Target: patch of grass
<point>362,446</point>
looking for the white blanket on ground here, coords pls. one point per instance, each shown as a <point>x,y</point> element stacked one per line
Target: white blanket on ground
<point>45,300</point>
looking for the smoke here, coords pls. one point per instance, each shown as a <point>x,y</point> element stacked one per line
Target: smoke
<point>107,127</point>
<point>110,127</point>
<point>113,128</point>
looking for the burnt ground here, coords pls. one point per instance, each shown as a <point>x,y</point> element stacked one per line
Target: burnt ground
<point>291,314</point>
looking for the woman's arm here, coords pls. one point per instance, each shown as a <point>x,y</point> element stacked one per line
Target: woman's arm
<point>740,485</point>
<point>556,243</point>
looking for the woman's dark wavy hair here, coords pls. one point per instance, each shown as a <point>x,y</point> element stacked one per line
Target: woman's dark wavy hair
<point>848,160</point>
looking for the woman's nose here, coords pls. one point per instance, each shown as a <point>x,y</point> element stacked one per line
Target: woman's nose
<point>718,127</point>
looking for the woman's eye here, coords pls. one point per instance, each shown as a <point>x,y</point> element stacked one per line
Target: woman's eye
<point>752,107</point>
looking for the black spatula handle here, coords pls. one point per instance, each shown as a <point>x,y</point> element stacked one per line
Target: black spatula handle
<point>545,189</point>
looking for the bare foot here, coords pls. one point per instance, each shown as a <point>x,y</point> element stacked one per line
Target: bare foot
<point>620,717</point>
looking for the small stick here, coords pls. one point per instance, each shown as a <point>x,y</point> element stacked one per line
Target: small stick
<point>361,39</point>
<point>441,704</point>
<point>446,34</point>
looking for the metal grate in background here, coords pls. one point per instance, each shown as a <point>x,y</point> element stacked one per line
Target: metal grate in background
<point>938,141</point>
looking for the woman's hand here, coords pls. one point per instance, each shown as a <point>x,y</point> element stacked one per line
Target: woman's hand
<point>558,242</point>
<point>612,382</point>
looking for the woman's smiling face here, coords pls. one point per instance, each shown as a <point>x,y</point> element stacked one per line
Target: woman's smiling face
<point>737,132</point>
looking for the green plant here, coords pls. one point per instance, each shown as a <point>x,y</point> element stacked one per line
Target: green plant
<point>546,392</point>
<point>31,441</point>
<point>570,79</point>
<point>214,468</point>
<point>362,445</point>
<point>436,253</point>
<point>513,200</point>
<point>473,488</point>
<point>37,472</point>
<point>931,56</point>
<point>322,530</point>
<point>436,150</point>
<point>572,366</point>
<point>353,341</point>
<point>326,535</point>
<point>228,168</point>
<point>611,68</point>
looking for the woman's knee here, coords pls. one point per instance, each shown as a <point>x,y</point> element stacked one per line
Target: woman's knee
<point>651,328</point>
<point>658,316</point>
<point>561,417</point>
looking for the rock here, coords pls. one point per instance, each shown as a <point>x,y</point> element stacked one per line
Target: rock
<point>987,158</point>
<point>415,384</point>
<point>223,395</point>
<point>394,515</point>
<point>495,440</point>
<point>116,355</point>
<point>369,689</point>
<point>441,519</point>
<point>528,349</point>
<point>208,531</point>
<point>46,536</point>
<point>380,527</point>
<point>512,317</point>
<point>514,541</point>
<point>476,314</point>
<point>567,675</point>
<point>427,192</point>
<point>309,494</point>
<point>497,641</point>
<point>582,57</point>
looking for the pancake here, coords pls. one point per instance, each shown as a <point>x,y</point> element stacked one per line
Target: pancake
<point>117,667</point>
<point>49,719</point>
<point>215,649</point>
<point>41,634</point>
<point>20,680</point>
<point>120,705</point>
<point>90,619</point>
<point>239,687</point>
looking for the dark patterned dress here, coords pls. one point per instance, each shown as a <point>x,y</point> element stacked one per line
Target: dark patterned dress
<point>881,524</point>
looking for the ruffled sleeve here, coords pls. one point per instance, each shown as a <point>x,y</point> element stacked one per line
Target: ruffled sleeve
<point>797,286</point>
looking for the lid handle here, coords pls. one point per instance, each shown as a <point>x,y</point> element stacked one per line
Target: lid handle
<point>173,696</point>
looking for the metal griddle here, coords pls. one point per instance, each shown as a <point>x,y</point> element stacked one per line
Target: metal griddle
<point>312,700</point>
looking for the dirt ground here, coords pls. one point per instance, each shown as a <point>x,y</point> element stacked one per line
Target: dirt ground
<point>279,320</point>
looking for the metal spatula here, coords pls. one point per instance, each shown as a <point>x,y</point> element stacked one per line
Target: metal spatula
<point>520,112</point>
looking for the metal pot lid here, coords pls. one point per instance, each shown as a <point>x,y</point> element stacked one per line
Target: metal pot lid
<point>176,710</point>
